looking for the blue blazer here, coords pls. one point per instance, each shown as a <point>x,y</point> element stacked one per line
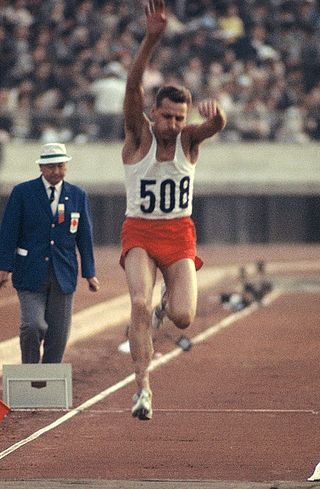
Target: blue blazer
<point>31,238</point>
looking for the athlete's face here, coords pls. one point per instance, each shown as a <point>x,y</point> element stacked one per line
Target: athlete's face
<point>169,118</point>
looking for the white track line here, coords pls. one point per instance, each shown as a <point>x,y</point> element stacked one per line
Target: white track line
<point>164,359</point>
<point>188,410</point>
<point>112,313</point>
<point>116,312</point>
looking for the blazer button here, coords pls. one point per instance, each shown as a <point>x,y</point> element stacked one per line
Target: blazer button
<point>52,242</point>
<point>53,225</point>
<point>46,258</point>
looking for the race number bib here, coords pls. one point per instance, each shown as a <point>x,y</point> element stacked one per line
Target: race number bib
<point>171,195</point>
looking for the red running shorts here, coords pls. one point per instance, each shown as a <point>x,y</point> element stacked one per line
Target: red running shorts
<point>165,240</point>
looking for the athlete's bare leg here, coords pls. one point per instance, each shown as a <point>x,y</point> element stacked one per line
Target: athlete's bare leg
<point>141,273</point>
<point>182,293</point>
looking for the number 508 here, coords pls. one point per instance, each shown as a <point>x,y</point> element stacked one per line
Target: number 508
<point>167,195</point>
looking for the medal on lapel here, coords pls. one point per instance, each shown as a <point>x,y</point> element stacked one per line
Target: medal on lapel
<point>60,213</point>
<point>74,222</point>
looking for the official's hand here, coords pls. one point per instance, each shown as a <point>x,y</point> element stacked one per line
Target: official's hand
<point>4,278</point>
<point>93,284</point>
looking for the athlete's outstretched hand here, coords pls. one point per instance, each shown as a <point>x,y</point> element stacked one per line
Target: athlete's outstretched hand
<point>156,17</point>
<point>210,110</point>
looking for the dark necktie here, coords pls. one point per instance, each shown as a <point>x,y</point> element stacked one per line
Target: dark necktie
<point>51,198</point>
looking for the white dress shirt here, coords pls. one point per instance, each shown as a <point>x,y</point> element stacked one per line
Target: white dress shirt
<point>58,187</point>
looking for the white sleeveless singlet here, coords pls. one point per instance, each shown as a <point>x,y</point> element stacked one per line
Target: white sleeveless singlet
<point>160,189</point>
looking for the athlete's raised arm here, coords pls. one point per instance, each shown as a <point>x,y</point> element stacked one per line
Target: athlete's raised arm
<point>135,119</point>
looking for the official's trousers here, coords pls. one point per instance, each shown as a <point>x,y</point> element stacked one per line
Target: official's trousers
<point>45,318</point>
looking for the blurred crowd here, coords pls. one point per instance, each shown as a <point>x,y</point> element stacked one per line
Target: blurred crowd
<point>64,65</point>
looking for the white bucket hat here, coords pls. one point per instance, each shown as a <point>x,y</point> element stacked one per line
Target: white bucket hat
<point>52,153</point>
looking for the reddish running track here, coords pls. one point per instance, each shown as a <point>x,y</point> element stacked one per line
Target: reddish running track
<point>240,405</point>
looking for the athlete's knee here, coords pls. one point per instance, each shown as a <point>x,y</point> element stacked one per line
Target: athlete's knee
<point>183,319</point>
<point>140,307</point>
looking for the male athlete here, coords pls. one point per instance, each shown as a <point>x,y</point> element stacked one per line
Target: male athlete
<point>159,156</point>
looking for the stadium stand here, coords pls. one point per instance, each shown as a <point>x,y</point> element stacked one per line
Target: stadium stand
<point>61,60</point>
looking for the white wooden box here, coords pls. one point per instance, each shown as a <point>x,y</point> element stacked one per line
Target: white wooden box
<point>45,385</point>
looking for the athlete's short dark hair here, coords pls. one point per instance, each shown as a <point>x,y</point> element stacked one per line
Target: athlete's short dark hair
<point>177,94</point>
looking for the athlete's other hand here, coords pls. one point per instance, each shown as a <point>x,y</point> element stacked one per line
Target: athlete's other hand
<point>210,110</point>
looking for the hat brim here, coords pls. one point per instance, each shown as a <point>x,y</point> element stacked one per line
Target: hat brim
<point>53,160</point>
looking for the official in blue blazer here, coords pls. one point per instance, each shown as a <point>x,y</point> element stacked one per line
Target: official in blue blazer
<point>45,222</point>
